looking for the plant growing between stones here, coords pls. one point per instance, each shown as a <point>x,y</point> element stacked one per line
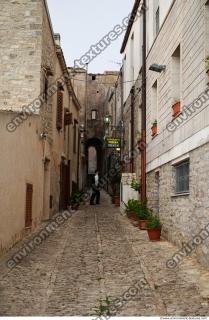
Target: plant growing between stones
<point>104,308</point>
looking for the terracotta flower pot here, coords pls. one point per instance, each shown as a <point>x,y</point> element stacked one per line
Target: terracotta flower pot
<point>143,224</point>
<point>207,72</point>
<point>154,130</point>
<point>176,108</point>
<point>132,216</point>
<point>154,234</point>
<point>117,201</point>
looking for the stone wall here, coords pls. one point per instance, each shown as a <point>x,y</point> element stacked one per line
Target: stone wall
<point>183,216</point>
<point>20,47</point>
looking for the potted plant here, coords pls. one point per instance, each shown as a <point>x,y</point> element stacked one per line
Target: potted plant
<point>207,64</point>
<point>115,183</point>
<point>135,185</point>
<point>176,108</point>
<point>116,199</point>
<point>154,128</point>
<point>131,209</point>
<point>76,199</point>
<point>138,137</point>
<point>154,228</point>
<point>144,214</point>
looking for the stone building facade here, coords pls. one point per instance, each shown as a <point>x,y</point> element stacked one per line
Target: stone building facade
<point>92,91</point>
<point>177,163</point>
<point>177,101</point>
<point>39,116</point>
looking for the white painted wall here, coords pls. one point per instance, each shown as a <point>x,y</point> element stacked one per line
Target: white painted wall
<point>186,24</point>
<point>137,30</point>
<point>136,58</point>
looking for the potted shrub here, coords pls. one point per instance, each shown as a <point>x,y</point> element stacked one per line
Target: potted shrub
<point>116,199</point>
<point>115,184</point>
<point>76,199</point>
<point>207,64</point>
<point>144,214</point>
<point>154,128</point>
<point>176,108</point>
<point>154,228</point>
<point>131,209</point>
<point>135,185</point>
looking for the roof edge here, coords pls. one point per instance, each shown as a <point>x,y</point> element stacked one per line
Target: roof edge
<point>130,24</point>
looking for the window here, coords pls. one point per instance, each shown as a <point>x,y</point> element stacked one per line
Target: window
<point>93,114</point>
<point>75,137</point>
<point>157,20</point>
<point>59,109</point>
<point>46,86</point>
<point>93,77</point>
<point>154,102</point>
<point>156,17</point>
<point>207,27</point>
<point>132,57</point>
<point>176,75</point>
<point>182,177</point>
<point>28,205</point>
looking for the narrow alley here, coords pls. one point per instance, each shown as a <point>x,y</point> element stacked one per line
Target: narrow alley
<point>99,254</point>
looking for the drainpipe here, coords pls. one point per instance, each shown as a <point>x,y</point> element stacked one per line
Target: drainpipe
<point>132,131</point>
<point>78,159</point>
<point>143,152</point>
<point>122,118</point>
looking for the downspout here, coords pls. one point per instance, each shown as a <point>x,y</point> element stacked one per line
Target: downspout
<point>132,132</point>
<point>78,159</point>
<point>122,120</point>
<point>143,125</point>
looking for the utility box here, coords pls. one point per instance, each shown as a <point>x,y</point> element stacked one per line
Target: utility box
<point>126,191</point>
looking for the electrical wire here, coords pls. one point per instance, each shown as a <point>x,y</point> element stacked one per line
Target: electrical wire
<point>101,82</point>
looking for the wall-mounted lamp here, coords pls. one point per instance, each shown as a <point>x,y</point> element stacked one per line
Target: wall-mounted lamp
<point>157,68</point>
<point>107,119</point>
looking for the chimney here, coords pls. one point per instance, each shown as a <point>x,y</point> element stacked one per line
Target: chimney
<point>57,38</point>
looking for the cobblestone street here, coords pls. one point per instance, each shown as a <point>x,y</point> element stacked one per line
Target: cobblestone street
<point>98,253</point>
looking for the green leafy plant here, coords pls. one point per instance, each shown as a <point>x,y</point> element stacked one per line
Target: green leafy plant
<point>132,205</point>
<point>143,212</point>
<point>115,183</point>
<point>154,223</point>
<point>104,308</point>
<point>77,197</point>
<point>138,135</point>
<point>135,185</point>
<point>207,61</point>
<point>154,123</point>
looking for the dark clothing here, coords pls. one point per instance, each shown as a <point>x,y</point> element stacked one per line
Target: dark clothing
<point>95,193</point>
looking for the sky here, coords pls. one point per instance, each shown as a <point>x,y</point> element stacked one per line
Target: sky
<point>82,23</point>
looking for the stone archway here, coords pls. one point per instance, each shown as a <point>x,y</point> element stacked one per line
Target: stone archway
<point>94,153</point>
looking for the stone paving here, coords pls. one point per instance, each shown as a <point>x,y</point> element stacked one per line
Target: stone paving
<point>99,253</point>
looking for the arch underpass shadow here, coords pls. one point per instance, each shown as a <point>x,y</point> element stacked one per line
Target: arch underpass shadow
<point>94,157</point>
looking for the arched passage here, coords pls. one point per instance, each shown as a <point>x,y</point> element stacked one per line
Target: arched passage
<point>92,160</point>
<point>94,156</point>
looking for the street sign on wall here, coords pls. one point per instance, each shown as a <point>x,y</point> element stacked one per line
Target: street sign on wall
<point>112,143</point>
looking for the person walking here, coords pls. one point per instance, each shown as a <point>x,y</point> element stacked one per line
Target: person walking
<point>95,189</point>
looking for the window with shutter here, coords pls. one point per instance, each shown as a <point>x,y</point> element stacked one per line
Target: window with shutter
<point>68,118</point>
<point>59,109</point>
<point>28,205</point>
